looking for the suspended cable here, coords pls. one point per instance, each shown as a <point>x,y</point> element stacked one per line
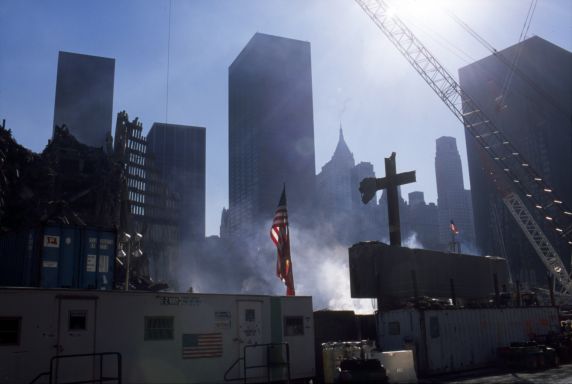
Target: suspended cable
<point>547,96</point>
<point>523,32</point>
<point>168,63</point>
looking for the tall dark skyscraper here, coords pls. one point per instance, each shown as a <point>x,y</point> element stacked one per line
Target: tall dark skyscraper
<point>533,108</point>
<point>271,132</point>
<point>178,154</point>
<point>454,202</point>
<point>84,97</point>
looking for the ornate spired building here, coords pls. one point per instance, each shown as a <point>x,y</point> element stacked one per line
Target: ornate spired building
<point>271,133</point>
<point>84,97</point>
<point>454,201</point>
<point>534,112</point>
<point>349,220</point>
<point>334,183</point>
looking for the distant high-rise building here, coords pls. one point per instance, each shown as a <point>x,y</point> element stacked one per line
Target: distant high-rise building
<point>84,97</point>
<point>271,132</point>
<point>334,183</point>
<point>452,198</point>
<point>178,152</point>
<point>422,219</point>
<point>532,107</point>
<point>336,186</point>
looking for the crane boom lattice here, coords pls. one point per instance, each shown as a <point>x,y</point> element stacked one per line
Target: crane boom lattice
<point>519,172</point>
<point>549,256</point>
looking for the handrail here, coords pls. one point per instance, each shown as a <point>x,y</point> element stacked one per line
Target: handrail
<point>268,364</point>
<point>99,380</point>
<point>39,375</point>
<point>231,367</point>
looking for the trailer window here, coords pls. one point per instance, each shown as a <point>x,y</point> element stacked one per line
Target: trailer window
<point>77,321</point>
<point>394,328</point>
<point>293,326</point>
<point>434,327</point>
<point>10,330</point>
<point>159,327</point>
<point>250,315</point>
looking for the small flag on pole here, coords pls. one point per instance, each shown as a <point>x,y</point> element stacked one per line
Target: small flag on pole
<point>280,235</point>
<point>454,229</point>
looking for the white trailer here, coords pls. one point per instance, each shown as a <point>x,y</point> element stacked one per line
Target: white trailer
<point>161,337</point>
<point>461,339</point>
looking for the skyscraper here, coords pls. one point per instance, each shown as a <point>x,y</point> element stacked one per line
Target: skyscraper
<point>271,132</point>
<point>178,153</point>
<point>84,97</point>
<point>453,201</point>
<point>334,183</point>
<point>339,200</point>
<point>532,106</point>
<point>423,220</point>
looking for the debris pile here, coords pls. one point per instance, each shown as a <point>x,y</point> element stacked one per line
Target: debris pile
<point>68,183</point>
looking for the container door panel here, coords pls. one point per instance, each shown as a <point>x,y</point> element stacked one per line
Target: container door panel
<point>250,334</point>
<point>76,335</point>
<point>89,259</point>
<point>69,249</point>
<point>106,260</point>
<point>51,257</point>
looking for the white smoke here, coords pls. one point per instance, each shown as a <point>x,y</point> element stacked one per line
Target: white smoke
<point>322,271</point>
<point>412,242</point>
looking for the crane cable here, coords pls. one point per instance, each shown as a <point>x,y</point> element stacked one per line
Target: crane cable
<point>546,96</point>
<point>523,33</point>
<point>168,64</point>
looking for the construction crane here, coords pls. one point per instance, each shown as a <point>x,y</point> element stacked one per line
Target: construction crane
<point>523,181</point>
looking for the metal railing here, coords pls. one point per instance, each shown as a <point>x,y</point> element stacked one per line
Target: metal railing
<point>53,372</point>
<point>274,359</point>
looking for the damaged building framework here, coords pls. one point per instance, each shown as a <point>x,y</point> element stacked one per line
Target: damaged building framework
<point>72,184</point>
<point>67,183</point>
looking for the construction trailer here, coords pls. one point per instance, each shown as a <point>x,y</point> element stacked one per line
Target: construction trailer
<point>461,339</point>
<point>146,337</point>
<point>441,306</point>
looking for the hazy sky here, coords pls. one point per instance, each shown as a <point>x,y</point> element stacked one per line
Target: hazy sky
<point>359,78</point>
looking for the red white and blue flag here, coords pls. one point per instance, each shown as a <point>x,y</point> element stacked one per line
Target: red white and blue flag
<point>454,229</point>
<point>202,345</point>
<point>280,235</point>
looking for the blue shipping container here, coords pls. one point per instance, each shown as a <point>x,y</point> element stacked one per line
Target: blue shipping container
<point>97,260</point>
<point>17,264</point>
<point>58,257</point>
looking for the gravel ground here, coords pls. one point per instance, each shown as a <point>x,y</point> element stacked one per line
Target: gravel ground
<point>560,375</point>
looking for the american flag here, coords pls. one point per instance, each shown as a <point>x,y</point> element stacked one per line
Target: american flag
<point>454,229</point>
<point>281,237</point>
<point>202,345</point>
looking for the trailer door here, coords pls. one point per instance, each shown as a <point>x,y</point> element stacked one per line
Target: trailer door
<point>76,336</point>
<point>250,335</point>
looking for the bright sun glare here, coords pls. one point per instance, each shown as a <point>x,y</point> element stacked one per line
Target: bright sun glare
<point>432,11</point>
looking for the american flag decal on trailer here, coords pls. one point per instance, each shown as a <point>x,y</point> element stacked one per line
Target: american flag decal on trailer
<point>202,345</point>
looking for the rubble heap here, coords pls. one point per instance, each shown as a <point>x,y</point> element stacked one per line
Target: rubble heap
<point>68,183</point>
